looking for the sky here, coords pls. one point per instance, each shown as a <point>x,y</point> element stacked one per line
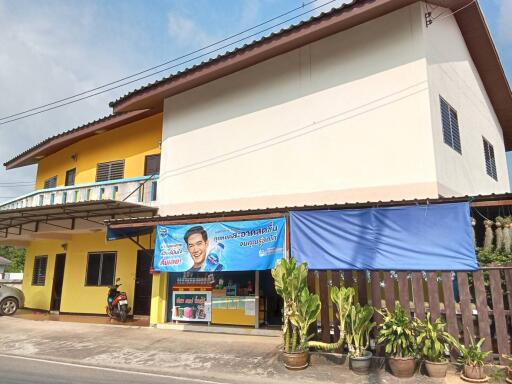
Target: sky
<point>54,49</point>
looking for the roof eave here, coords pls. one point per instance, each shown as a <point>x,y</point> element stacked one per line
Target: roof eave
<point>53,144</point>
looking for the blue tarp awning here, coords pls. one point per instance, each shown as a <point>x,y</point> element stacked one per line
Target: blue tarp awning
<point>123,233</point>
<point>432,237</point>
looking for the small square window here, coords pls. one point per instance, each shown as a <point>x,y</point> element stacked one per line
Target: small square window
<point>101,269</point>
<point>450,121</point>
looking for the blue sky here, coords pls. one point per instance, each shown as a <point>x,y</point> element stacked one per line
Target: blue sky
<point>53,49</point>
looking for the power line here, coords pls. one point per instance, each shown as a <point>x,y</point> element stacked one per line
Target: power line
<point>162,64</point>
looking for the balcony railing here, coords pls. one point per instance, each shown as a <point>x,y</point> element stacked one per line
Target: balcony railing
<point>141,190</point>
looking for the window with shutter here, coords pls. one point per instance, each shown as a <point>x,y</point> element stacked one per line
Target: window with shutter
<point>450,122</point>
<point>113,170</point>
<point>490,161</point>
<point>51,182</point>
<point>101,269</point>
<point>39,272</point>
<point>152,165</point>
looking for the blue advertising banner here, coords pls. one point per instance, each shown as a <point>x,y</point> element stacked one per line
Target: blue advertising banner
<point>434,237</point>
<point>226,246</point>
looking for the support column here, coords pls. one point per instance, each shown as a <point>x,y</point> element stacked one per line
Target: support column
<point>159,299</point>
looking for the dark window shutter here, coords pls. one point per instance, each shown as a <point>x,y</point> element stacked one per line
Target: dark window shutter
<point>39,272</point>
<point>112,170</point>
<point>490,161</point>
<point>152,165</point>
<point>51,182</point>
<point>450,123</point>
<point>70,177</point>
<point>107,269</point>
<point>93,269</point>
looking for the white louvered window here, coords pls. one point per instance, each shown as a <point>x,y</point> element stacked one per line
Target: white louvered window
<point>113,170</point>
<point>490,162</point>
<point>451,135</point>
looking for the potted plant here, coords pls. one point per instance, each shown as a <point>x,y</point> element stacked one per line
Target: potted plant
<point>301,309</point>
<point>290,281</point>
<point>473,359</point>
<point>432,342</point>
<point>359,326</point>
<point>397,333</point>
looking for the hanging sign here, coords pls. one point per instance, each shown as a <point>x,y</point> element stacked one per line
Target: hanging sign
<point>226,246</point>
<point>192,306</point>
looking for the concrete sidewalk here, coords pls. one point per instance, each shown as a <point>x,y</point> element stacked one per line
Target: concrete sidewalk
<point>225,358</point>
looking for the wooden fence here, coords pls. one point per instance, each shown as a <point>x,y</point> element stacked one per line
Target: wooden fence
<point>476,303</point>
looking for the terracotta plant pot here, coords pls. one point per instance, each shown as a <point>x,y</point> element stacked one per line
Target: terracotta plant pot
<point>436,369</point>
<point>402,366</point>
<point>296,360</point>
<point>361,365</point>
<point>474,373</point>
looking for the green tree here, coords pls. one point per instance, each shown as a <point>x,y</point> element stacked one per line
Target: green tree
<point>15,255</point>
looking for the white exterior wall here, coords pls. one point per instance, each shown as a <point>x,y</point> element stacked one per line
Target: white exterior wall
<point>452,74</point>
<point>342,119</point>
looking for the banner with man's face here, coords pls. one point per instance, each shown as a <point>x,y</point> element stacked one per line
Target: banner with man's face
<point>213,247</point>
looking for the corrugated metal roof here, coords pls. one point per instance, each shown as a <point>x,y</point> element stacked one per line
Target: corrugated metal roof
<point>262,40</point>
<point>155,219</point>
<point>4,261</point>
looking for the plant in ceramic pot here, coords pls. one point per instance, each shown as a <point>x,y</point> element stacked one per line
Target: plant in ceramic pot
<point>397,333</point>
<point>301,310</point>
<point>359,326</point>
<point>432,343</point>
<point>290,281</point>
<point>473,359</point>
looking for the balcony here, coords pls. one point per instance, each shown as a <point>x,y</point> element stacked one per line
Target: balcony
<point>138,190</point>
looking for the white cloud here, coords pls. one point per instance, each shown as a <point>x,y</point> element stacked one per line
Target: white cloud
<point>48,52</point>
<point>184,30</point>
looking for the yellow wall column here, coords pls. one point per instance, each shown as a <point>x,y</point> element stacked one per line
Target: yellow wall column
<point>159,298</point>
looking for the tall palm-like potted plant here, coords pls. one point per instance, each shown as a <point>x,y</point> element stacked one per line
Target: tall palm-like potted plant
<point>301,310</point>
<point>397,333</point>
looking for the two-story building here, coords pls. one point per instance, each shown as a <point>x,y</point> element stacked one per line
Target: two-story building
<point>375,100</point>
<point>102,170</point>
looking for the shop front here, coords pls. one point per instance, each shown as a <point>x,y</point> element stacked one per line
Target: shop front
<point>219,273</point>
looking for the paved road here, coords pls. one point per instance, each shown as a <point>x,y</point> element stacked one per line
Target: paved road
<point>18,370</point>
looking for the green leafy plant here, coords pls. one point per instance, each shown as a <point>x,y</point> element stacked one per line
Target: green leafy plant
<point>397,333</point>
<point>301,308</point>
<point>342,297</point>
<point>431,339</point>
<point>472,355</point>
<point>290,280</point>
<point>359,326</point>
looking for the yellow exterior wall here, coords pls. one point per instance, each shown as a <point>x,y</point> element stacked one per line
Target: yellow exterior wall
<point>159,298</point>
<point>131,142</point>
<point>37,296</point>
<point>76,297</point>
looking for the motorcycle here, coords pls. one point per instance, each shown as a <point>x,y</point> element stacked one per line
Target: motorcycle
<point>117,303</point>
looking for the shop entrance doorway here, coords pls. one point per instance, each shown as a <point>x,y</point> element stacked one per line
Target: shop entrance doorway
<point>143,283</point>
<point>58,279</point>
<point>273,302</point>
